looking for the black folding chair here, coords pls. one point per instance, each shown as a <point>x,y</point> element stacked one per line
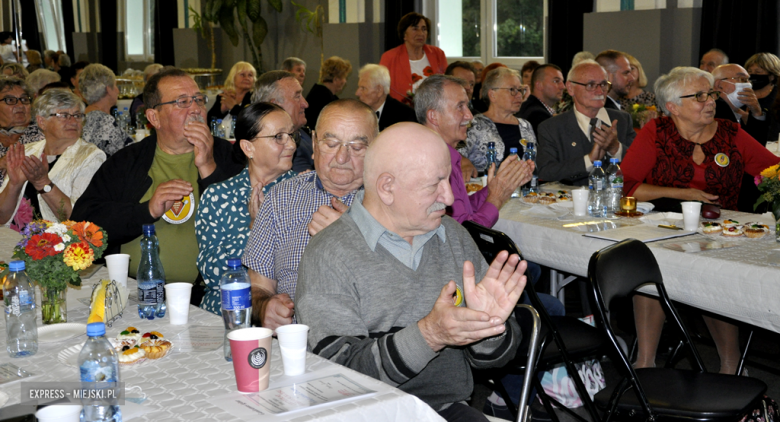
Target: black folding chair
<point>659,393</point>
<point>574,340</point>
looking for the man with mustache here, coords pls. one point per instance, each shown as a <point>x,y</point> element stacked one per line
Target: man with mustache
<point>442,105</point>
<point>159,180</point>
<point>298,208</point>
<point>389,289</point>
<point>570,142</point>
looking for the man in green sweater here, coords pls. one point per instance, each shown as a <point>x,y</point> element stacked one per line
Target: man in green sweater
<point>390,289</point>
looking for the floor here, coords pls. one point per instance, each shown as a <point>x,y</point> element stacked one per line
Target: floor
<point>763,358</point>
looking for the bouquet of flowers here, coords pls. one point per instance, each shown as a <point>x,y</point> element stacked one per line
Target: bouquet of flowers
<point>768,182</point>
<point>641,114</point>
<point>54,253</point>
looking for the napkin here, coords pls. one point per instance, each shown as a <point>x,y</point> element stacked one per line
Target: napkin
<point>541,212</point>
<point>665,218</point>
<point>645,207</point>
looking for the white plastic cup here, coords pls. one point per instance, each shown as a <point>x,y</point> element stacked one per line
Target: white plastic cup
<point>580,197</point>
<point>59,413</point>
<point>292,342</point>
<point>177,299</point>
<point>118,265</point>
<point>691,213</point>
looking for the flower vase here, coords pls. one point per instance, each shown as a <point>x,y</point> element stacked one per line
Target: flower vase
<point>776,213</point>
<point>53,305</point>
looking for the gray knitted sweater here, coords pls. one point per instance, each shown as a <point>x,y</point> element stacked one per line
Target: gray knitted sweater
<point>363,306</point>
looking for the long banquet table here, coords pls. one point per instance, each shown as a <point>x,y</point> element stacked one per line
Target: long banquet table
<point>739,283</point>
<point>183,385</point>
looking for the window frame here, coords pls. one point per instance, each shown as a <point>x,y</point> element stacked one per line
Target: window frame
<point>56,11</point>
<point>148,54</point>
<point>487,34</point>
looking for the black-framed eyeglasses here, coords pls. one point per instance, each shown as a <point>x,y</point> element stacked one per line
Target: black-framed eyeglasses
<point>65,116</point>
<point>702,96</point>
<point>186,102</point>
<point>740,79</point>
<point>10,100</point>
<point>281,138</point>
<point>514,91</point>
<point>591,86</point>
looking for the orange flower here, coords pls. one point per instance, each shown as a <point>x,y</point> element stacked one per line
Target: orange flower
<point>428,71</point>
<point>69,223</point>
<point>88,232</point>
<point>415,78</point>
<point>42,245</point>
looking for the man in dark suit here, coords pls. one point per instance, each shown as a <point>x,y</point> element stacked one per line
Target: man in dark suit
<point>546,90</point>
<point>465,71</point>
<point>618,74</point>
<point>373,90</point>
<point>570,142</point>
<point>738,103</point>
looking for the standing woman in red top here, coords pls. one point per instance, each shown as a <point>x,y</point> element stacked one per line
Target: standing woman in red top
<point>414,60</point>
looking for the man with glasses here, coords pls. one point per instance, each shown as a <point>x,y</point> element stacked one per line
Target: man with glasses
<point>283,89</point>
<point>738,103</point>
<point>159,180</point>
<point>298,208</point>
<point>570,142</point>
<point>618,74</point>
<point>546,90</point>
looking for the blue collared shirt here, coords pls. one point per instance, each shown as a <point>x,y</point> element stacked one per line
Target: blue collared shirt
<point>375,233</point>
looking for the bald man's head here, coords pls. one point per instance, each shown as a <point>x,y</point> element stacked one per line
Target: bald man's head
<point>406,179</point>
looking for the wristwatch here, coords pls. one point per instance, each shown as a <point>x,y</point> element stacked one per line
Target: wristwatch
<point>46,188</point>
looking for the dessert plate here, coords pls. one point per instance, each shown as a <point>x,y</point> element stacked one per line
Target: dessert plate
<point>59,332</point>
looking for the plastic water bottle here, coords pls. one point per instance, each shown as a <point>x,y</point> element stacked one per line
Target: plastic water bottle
<point>98,363</point>
<point>615,185</point>
<point>596,201</point>
<point>530,151</point>
<point>236,300</point>
<point>226,127</point>
<point>517,193</point>
<point>120,121</point>
<point>151,277</point>
<point>19,297</point>
<point>218,132</point>
<point>233,129</point>
<point>492,157</point>
<point>127,118</point>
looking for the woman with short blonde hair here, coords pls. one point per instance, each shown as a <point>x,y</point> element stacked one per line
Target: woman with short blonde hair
<point>333,76</point>
<point>237,92</point>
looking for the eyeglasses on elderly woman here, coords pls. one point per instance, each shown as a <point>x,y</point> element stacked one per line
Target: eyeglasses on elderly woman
<point>11,100</point>
<point>66,116</point>
<point>702,96</point>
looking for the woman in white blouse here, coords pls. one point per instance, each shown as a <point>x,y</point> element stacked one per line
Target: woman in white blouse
<point>53,173</point>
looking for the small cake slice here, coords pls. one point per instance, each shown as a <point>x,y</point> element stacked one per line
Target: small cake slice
<point>755,230</point>
<point>531,198</point>
<point>732,231</point>
<point>710,227</point>
<point>156,349</point>
<point>130,355</point>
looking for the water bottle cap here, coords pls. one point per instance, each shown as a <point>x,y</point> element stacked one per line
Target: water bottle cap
<point>234,263</point>
<point>120,113</point>
<point>96,329</point>
<point>16,266</point>
<point>219,120</point>
<point>614,160</point>
<point>148,229</point>
<point>513,150</point>
<point>597,163</point>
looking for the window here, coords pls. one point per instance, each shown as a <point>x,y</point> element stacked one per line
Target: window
<point>50,15</point>
<point>138,18</point>
<point>514,34</point>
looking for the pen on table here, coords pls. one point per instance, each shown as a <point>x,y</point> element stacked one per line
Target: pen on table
<point>664,226</point>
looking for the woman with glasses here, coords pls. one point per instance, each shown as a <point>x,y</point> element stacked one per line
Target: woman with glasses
<point>688,155</point>
<point>503,92</point>
<point>97,84</point>
<point>264,133</point>
<point>15,99</point>
<point>50,174</point>
<point>636,91</point>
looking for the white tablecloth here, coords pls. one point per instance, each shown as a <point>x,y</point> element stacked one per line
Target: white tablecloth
<point>738,283</point>
<point>179,385</point>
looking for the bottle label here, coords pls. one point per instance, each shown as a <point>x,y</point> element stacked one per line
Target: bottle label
<point>25,299</point>
<point>91,371</point>
<point>14,309</point>
<point>599,185</point>
<point>236,298</point>
<point>151,295</point>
